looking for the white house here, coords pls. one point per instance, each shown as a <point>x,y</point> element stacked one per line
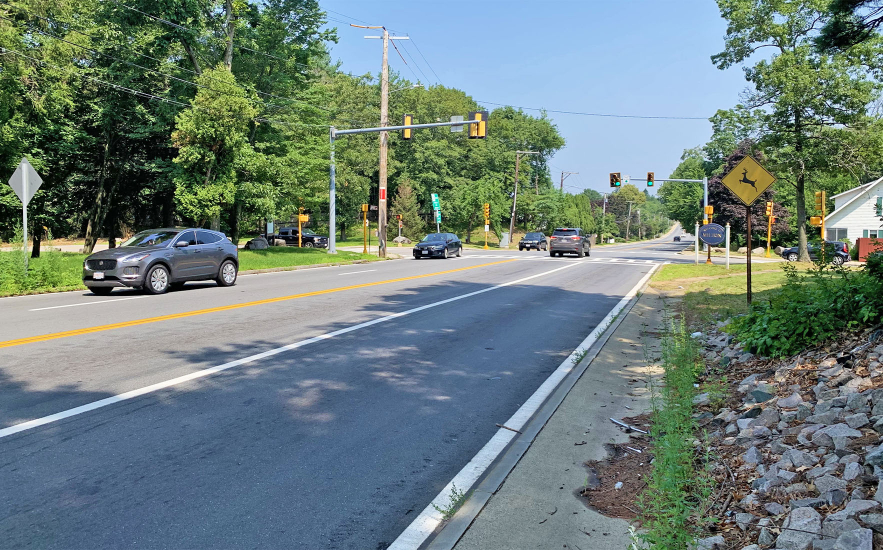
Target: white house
<point>856,213</point>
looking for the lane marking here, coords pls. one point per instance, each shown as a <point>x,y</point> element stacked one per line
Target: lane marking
<point>354,272</point>
<point>429,519</point>
<point>17,428</point>
<point>88,303</point>
<point>147,320</point>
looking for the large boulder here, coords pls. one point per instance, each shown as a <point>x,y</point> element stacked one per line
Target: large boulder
<point>742,250</point>
<point>258,243</point>
<point>758,251</point>
<point>279,242</point>
<point>402,240</point>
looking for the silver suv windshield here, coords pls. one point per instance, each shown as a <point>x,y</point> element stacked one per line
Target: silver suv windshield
<point>150,238</point>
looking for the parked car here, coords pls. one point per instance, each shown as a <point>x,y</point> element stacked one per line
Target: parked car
<point>570,240</point>
<point>533,240</point>
<point>837,250</point>
<point>308,239</point>
<point>157,259</point>
<point>438,245</point>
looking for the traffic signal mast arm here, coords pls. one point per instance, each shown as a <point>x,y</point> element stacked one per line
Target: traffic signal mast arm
<point>335,132</point>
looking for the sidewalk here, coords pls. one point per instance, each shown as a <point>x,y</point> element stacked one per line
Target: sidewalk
<point>538,504</point>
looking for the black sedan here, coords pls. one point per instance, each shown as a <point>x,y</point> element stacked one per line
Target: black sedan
<point>533,240</point>
<point>438,245</point>
<point>837,251</point>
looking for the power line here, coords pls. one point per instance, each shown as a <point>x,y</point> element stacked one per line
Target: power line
<point>427,62</point>
<point>407,51</point>
<point>593,114</point>
<point>148,95</point>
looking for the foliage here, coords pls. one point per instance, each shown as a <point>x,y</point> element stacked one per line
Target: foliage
<point>874,264</point>
<point>407,206</point>
<point>809,309</point>
<point>670,505</point>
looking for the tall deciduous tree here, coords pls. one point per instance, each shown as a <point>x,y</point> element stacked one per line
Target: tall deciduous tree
<point>798,91</point>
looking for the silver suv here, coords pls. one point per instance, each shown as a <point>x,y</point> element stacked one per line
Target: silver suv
<point>161,258</point>
<point>569,240</point>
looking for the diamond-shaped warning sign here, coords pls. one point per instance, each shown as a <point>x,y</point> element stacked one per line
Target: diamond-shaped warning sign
<point>748,180</point>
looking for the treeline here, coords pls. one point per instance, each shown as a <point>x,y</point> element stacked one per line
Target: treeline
<point>809,114</point>
<point>217,113</point>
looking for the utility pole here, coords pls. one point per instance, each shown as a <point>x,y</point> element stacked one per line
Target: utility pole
<point>564,177</point>
<point>384,135</point>
<point>536,183</point>
<point>640,229</point>
<point>628,222</point>
<point>515,197</point>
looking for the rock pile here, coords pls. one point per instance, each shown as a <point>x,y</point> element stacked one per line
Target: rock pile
<point>799,446</point>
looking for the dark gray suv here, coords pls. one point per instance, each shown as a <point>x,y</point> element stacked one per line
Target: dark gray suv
<point>157,259</point>
<point>569,240</point>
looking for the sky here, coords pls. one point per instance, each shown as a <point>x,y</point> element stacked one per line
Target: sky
<point>620,57</point>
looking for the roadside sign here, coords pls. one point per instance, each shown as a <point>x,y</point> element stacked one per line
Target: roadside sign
<point>748,180</point>
<point>25,181</point>
<point>401,225</point>
<point>712,234</point>
<point>487,228</point>
<point>435,203</point>
<point>456,118</point>
<point>438,216</point>
<point>383,193</point>
<point>269,228</point>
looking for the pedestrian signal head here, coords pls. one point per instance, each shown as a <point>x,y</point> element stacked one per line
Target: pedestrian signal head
<point>615,179</point>
<point>815,221</point>
<point>407,120</point>
<point>650,179</point>
<point>364,208</point>
<point>478,130</point>
<point>709,210</point>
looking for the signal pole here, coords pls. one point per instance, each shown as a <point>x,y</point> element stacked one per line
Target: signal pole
<point>384,135</point>
<point>564,177</point>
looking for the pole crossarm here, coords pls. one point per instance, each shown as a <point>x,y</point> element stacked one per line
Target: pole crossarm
<point>337,132</point>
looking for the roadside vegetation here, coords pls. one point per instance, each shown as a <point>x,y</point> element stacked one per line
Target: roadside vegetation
<point>57,271</point>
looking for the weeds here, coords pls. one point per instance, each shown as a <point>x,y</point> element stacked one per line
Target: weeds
<point>579,355</point>
<point>455,501</point>
<point>675,488</point>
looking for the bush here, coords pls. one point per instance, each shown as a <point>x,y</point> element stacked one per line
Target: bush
<point>810,309</point>
<point>874,264</point>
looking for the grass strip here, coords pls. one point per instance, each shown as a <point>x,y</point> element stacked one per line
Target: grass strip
<point>676,488</point>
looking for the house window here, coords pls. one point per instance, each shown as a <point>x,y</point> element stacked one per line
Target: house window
<point>873,233</point>
<point>835,234</point>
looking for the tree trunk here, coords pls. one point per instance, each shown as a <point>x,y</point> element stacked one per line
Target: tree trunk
<point>192,55</point>
<point>168,209</point>
<point>800,198</point>
<point>95,213</point>
<point>234,221</point>
<point>228,52</point>
<point>35,249</point>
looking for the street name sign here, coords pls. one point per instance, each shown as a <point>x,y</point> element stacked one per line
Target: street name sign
<point>712,234</point>
<point>435,203</point>
<point>748,180</point>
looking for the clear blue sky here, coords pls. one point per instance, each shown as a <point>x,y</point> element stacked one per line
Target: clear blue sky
<point>634,57</point>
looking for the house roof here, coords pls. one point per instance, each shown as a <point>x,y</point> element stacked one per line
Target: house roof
<point>854,189</point>
<point>863,190</point>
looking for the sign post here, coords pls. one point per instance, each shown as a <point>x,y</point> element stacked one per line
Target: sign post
<point>25,181</point>
<point>365,229</point>
<point>696,232</point>
<point>748,180</point>
<point>728,245</point>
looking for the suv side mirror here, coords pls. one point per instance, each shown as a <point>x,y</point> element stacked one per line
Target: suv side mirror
<point>181,244</point>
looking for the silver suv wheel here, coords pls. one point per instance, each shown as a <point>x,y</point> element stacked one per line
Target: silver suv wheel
<point>157,280</point>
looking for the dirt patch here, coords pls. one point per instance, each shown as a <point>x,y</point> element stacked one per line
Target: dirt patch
<point>627,463</point>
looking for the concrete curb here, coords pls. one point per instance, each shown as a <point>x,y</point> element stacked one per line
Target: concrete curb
<point>450,534</point>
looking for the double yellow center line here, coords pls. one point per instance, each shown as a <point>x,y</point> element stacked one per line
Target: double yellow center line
<point>145,321</point>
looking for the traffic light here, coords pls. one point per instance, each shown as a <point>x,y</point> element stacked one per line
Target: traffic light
<point>407,120</point>
<point>478,131</point>
<point>399,217</point>
<point>769,208</point>
<point>815,221</point>
<point>364,208</point>
<point>820,200</point>
<point>650,179</point>
<point>615,179</point>
<point>487,211</point>
<point>709,210</point>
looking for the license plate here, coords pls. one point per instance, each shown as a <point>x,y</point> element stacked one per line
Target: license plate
<point>98,275</point>
<point>424,252</point>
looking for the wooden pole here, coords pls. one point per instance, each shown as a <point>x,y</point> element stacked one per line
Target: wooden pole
<point>384,145</point>
<point>748,262</point>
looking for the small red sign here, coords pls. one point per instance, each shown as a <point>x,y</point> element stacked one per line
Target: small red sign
<point>382,194</point>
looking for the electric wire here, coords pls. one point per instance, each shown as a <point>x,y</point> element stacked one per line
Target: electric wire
<point>427,62</point>
<point>593,114</point>
<point>407,51</point>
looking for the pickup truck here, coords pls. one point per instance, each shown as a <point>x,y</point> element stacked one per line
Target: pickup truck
<point>308,239</point>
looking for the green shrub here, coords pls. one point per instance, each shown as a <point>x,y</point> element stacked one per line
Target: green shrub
<point>874,264</point>
<point>810,309</point>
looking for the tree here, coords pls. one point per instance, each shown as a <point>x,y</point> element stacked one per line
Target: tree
<point>623,203</point>
<point>799,91</point>
<point>406,205</point>
<point>684,200</point>
<point>850,22</point>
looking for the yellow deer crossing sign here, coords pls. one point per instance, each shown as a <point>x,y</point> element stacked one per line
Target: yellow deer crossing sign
<point>748,180</point>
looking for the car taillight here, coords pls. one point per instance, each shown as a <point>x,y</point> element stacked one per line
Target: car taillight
<point>553,237</point>
<point>575,238</point>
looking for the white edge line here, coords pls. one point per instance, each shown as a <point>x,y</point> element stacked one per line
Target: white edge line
<point>429,519</point>
<point>88,303</point>
<point>354,272</point>
<point>17,428</point>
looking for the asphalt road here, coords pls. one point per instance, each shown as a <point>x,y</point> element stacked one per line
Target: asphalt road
<point>394,377</point>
